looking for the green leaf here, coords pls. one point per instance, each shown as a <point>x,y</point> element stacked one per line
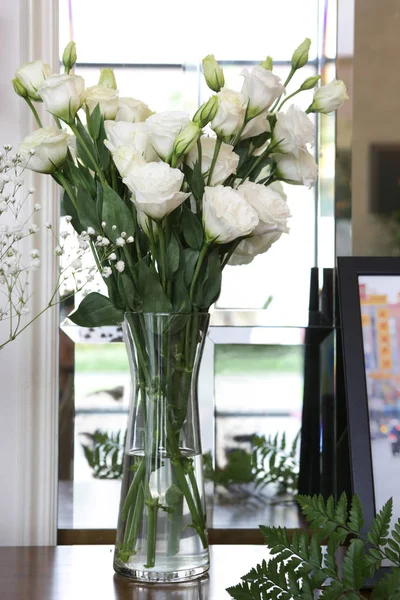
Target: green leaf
<point>93,121</point>
<point>380,525</point>
<point>102,151</point>
<point>354,565</point>
<point>80,176</point>
<point>388,588</point>
<point>209,286</point>
<point>86,208</point>
<point>356,520</point>
<point>96,310</point>
<point>172,258</point>
<point>180,296</point>
<point>127,290</point>
<point>192,229</point>
<point>116,212</point>
<point>150,289</point>
<point>195,180</point>
<point>81,151</point>
<point>69,209</point>
<point>191,257</point>
<point>341,509</point>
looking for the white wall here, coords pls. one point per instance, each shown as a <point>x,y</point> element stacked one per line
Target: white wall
<point>28,366</point>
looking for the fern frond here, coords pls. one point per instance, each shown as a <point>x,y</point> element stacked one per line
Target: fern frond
<point>381,524</point>
<point>356,518</point>
<point>388,588</point>
<point>105,453</point>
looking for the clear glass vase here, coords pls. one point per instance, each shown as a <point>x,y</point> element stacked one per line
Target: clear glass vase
<point>162,533</point>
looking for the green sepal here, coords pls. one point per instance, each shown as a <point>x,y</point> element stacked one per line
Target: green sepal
<point>96,310</point>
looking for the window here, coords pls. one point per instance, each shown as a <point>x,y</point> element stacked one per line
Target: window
<point>156,56</point>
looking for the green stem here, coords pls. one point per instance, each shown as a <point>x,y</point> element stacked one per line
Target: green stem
<point>288,79</point>
<point>288,98</point>
<point>196,493</point>
<point>133,524</point>
<point>198,520</point>
<point>174,535</point>
<point>152,513</point>
<point>200,161</point>
<point>133,490</point>
<point>162,253</point>
<point>218,144</point>
<point>199,264</point>
<point>34,111</point>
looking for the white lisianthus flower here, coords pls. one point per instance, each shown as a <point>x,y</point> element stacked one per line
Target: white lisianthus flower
<point>260,89</point>
<point>50,147</point>
<point>330,97</point>
<point>256,126</point>
<point>270,204</point>
<point>164,128</point>
<point>297,170</point>
<point>230,114</point>
<point>63,95</point>
<point>293,130</point>
<point>156,188</point>
<point>31,75</point>
<point>128,143</point>
<point>249,248</point>
<point>226,214</point>
<point>132,111</point>
<point>106,97</point>
<point>227,161</point>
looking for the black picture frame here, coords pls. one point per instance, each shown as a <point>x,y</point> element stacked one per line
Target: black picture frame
<point>349,269</point>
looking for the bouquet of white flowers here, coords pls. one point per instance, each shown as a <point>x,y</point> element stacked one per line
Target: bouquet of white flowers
<point>165,201</point>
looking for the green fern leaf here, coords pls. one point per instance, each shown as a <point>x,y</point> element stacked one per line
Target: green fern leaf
<point>356,519</point>
<point>388,588</point>
<point>341,510</point>
<point>354,565</point>
<point>241,592</point>
<point>380,525</point>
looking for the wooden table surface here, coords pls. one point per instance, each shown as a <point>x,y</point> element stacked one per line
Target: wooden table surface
<point>86,573</point>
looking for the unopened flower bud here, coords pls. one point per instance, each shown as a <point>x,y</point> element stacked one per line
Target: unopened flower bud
<point>107,79</point>
<point>19,88</point>
<point>69,56</point>
<point>206,112</point>
<point>328,98</point>
<point>186,139</point>
<point>267,64</point>
<point>213,73</point>
<point>310,82</point>
<point>300,55</point>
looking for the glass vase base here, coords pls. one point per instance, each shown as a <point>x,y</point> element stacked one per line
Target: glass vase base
<point>164,573</point>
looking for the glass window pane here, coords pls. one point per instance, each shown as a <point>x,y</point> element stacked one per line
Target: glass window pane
<point>133,32</point>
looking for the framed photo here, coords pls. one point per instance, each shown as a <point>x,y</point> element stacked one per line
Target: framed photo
<point>369,303</point>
